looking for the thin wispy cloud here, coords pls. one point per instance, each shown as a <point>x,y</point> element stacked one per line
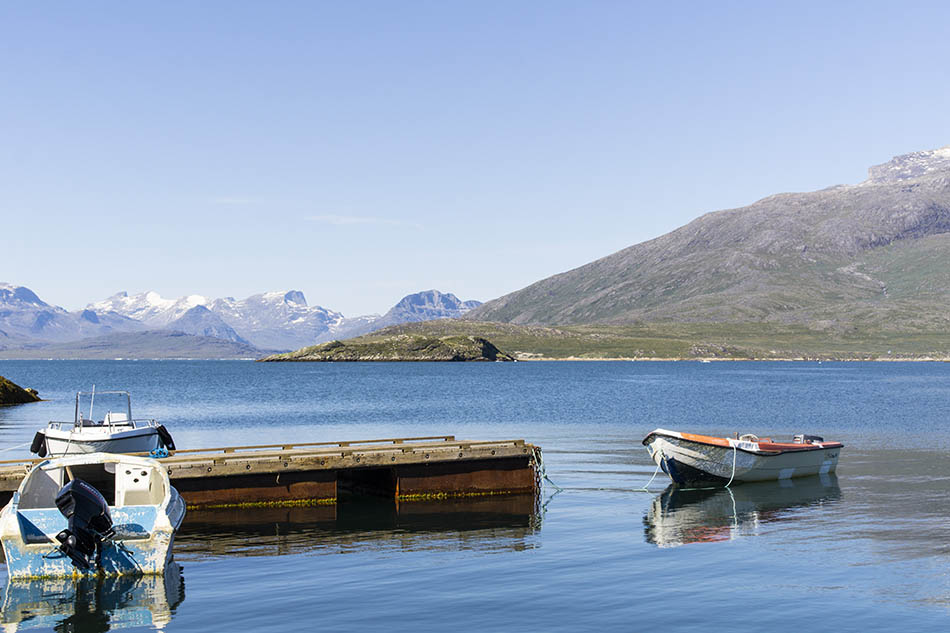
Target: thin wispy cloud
<point>355,220</point>
<point>234,201</point>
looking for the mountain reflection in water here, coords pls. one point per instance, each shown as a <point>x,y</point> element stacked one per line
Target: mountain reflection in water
<point>488,523</point>
<point>679,516</point>
<point>93,603</point>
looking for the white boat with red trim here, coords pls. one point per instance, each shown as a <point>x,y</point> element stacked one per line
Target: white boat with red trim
<point>691,459</point>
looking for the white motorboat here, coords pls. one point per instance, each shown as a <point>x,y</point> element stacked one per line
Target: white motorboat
<point>690,459</point>
<point>94,513</point>
<point>115,432</point>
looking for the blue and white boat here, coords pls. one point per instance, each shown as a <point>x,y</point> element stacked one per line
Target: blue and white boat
<point>96,513</point>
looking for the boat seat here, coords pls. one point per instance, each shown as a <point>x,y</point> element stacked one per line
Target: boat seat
<point>116,418</point>
<point>133,485</point>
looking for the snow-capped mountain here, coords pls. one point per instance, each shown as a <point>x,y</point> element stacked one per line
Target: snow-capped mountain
<point>913,165</point>
<point>148,307</point>
<point>277,320</point>
<point>271,320</point>
<point>25,317</point>
<point>200,321</point>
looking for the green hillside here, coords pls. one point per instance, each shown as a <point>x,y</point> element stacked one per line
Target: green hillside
<point>761,341</point>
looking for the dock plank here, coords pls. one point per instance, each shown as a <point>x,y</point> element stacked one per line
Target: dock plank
<point>412,467</point>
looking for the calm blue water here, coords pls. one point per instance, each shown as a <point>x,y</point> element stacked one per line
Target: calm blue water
<point>868,550</point>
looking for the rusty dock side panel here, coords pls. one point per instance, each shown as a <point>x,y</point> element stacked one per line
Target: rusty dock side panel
<point>407,469</point>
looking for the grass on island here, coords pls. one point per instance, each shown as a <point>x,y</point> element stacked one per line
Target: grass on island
<point>399,347</point>
<point>682,340</point>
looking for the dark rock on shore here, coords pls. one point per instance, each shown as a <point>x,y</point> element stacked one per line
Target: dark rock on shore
<point>11,393</point>
<point>402,347</point>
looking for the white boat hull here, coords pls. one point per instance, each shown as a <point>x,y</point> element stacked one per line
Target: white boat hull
<point>689,462</point>
<point>89,440</point>
<point>114,431</point>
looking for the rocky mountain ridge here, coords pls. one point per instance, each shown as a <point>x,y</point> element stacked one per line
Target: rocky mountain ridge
<point>874,254</point>
<point>267,321</point>
<point>421,306</point>
<point>25,317</point>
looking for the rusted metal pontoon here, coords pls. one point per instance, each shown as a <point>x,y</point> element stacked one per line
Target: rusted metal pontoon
<point>406,469</point>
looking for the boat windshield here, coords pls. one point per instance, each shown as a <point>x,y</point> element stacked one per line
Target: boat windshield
<point>103,407</point>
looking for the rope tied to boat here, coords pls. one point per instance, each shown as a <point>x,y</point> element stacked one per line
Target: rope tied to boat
<point>735,451</point>
<point>541,472</point>
<point>659,462</point>
<point>646,488</point>
<point>11,448</point>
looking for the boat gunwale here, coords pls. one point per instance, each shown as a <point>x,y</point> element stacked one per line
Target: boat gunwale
<point>774,448</point>
<point>98,433</point>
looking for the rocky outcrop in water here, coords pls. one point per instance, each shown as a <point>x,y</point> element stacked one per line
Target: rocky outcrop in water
<point>11,393</point>
<point>402,347</point>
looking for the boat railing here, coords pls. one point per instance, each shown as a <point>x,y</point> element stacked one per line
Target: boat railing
<point>112,426</point>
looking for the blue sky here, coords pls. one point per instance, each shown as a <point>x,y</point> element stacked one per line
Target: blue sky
<point>360,151</point>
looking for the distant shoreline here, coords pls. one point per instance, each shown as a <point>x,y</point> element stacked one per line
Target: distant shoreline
<point>742,360</point>
<point>618,359</point>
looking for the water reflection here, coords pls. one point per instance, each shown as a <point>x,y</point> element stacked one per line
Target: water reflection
<point>489,523</point>
<point>680,516</point>
<point>93,603</point>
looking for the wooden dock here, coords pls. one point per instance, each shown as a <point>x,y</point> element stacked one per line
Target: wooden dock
<point>405,469</point>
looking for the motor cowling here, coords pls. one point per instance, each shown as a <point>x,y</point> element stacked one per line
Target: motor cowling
<point>89,523</point>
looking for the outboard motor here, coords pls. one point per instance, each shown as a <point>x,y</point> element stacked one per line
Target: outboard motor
<point>89,523</point>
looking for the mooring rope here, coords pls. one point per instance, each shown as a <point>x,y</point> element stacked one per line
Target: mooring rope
<point>735,451</point>
<point>646,488</point>
<point>68,442</point>
<point>542,471</point>
<point>735,515</point>
<point>10,448</point>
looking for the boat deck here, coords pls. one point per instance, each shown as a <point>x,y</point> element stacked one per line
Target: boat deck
<point>409,468</point>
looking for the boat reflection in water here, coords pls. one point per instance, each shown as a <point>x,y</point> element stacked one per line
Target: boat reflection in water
<point>483,523</point>
<point>496,523</point>
<point>93,603</point>
<point>680,516</point>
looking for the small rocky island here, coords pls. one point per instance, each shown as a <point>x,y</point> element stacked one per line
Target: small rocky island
<point>400,347</point>
<point>11,393</point>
